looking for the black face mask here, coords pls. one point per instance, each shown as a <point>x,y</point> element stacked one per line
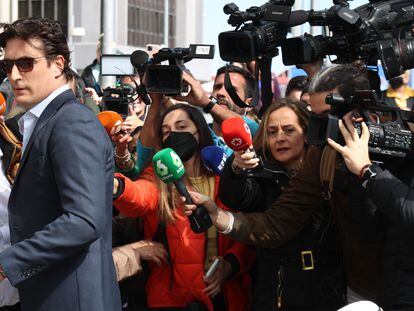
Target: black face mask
<point>395,83</point>
<point>183,143</point>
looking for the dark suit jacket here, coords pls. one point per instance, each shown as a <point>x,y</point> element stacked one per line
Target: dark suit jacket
<point>60,212</point>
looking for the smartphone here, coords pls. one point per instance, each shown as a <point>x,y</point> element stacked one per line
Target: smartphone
<point>212,268</point>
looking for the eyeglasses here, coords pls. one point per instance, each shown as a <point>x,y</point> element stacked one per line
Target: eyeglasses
<point>24,64</point>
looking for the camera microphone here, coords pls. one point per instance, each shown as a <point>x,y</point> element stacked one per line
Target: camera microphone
<point>297,18</point>
<point>138,58</point>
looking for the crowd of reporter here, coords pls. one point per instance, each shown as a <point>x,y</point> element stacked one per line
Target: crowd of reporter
<point>285,238</point>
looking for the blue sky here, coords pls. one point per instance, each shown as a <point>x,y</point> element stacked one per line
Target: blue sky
<point>215,21</point>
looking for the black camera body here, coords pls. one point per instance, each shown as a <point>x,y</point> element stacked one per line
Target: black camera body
<point>168,79</point>
<point>268,25</point>
<point>389,127</point>
<point>379,30</point>
<point>117,99</point>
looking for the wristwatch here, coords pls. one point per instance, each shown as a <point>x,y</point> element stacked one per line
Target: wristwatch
<point>370,172</point>
<point>210,105</point>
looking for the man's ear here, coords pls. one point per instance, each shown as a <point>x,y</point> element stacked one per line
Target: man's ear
<point>60,65</point>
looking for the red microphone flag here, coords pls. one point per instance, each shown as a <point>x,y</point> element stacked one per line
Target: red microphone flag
<point>236,134</point>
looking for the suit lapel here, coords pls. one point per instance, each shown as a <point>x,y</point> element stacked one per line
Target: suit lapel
<point>46,115</point>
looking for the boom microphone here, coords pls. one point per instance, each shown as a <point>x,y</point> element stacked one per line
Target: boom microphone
<point>169,168</point>
<point>214,159</point>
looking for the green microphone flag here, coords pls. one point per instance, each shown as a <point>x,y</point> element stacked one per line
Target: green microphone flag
<point>168,165</point>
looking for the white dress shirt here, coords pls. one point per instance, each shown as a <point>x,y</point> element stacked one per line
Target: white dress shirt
<point>28,121</point>
<point>8,294</point>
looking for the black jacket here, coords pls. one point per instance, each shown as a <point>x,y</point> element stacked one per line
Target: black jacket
<point>89,79</point>
<point>393,194</point>
<point>281,283</point>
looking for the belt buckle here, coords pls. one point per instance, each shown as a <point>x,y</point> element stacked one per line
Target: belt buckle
<point>307,260</point>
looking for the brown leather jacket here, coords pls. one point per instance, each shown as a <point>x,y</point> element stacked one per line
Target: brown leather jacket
<point>301,202</point>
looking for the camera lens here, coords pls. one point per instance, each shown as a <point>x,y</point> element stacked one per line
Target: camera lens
<point>396,56</point>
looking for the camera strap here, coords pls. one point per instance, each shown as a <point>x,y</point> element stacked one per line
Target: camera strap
<point>265,64</point>
<point>233,94</point>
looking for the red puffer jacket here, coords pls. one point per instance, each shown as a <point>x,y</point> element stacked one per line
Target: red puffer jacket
<point>166,288</point>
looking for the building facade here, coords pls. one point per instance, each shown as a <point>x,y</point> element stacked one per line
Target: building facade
<point>137,22</point>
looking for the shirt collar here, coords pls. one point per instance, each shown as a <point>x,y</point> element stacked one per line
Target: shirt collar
<point>40,107</point>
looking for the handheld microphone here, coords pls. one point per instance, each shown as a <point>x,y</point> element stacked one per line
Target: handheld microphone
<point>236,133</point>
<point>214,159</point>
<point>169,168</point>
<point>109,119</point>
<point>3,104</point>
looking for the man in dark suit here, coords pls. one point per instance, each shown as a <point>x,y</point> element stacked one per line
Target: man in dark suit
<point>60,205</point>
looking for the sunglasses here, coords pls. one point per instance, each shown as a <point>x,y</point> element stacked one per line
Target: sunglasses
<point>24,64</point>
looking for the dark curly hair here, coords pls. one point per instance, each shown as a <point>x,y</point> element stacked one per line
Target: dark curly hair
<point>49,32</point>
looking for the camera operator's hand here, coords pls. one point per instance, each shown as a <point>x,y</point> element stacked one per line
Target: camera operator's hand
<point>197,96</point>
<point>219,217</point>
<point>245,160</point>
<point>215,282</point>
<point>92,94</point>
<point>355,152</point>
<point>131,122</point>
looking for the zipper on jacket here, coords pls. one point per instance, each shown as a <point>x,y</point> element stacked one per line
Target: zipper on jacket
<point>279,289</point>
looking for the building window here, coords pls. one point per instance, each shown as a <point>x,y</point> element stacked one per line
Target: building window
<point>54,9</point>
<point>146,22</point>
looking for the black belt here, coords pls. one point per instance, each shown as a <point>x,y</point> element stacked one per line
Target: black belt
<point>309,260</point>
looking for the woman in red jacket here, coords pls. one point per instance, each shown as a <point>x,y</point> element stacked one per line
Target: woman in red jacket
<point>182,279</point>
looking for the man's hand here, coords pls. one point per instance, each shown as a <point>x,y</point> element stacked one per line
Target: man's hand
<point>197,96</point>
<point>215,282</point>
<point>355,152</point>
<point>219,217</point>
<point>150,250</point>
<point>92,94</point>
<point>131,122</point>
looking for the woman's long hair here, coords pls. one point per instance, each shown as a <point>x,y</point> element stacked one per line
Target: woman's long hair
<point>169,198</point>
<point>261,141</point>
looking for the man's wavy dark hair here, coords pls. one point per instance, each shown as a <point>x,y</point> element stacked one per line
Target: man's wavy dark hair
<point>49,32</point>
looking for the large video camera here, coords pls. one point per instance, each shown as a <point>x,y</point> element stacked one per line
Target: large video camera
<point>390,127</point>
<point>167,79</point>
<point>259,30</point>
<point>379,30</point>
